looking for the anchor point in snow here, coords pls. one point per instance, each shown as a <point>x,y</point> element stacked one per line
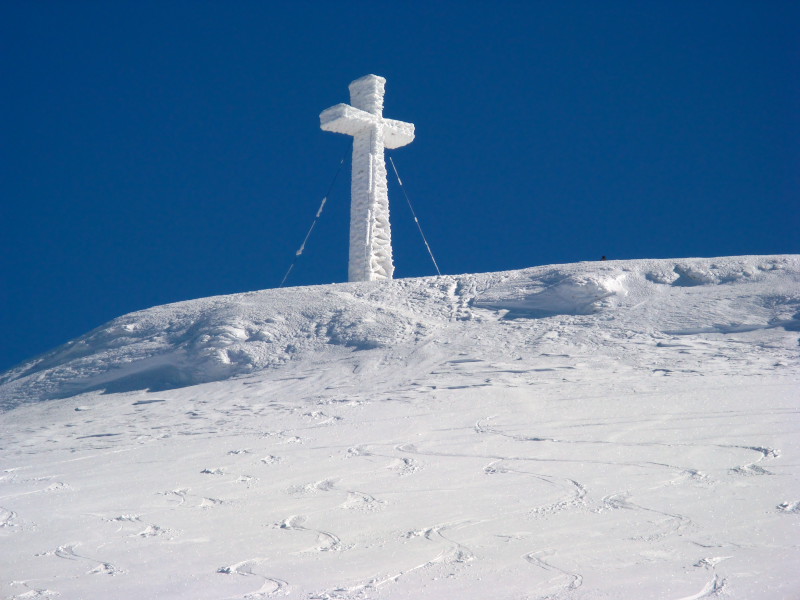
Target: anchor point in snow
<point>370,232</point>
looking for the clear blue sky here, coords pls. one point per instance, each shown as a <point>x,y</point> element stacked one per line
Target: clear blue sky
<point>162,151</point>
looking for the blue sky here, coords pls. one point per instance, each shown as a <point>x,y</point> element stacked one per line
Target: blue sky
<point>163,151</point>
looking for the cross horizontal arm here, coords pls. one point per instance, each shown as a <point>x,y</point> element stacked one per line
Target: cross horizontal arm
<point>343,118</point>
<point>397,133</point>
<point>346,119</point>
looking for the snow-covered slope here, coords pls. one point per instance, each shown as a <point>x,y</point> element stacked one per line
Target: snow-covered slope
<point>623,429</point>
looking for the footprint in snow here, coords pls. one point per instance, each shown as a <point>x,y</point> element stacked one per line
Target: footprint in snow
<point>404,466</point>
<point>355,451</point>
<point>33,593</point>
<point>789,507</point>
<point>216,471</point>
<point>210,502</point>
<point>319,415</point>
<point>8,518</point>
<point>692,476</point>
<point>57,486</point>
<point>749,470</point>
<point>133,523</point>
<point>361,501</point>
<point>152,531</point>
<point>324,485</point>
<point>182,494</point>
<point>106,569</point>
<point>124,518</point>
<point>179,494</point>
<point>710,562</point>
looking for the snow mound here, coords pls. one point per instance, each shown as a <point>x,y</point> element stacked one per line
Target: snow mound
<point>555,293</point>
<point>214,339</point>
<point>712,272</point>
<point>205,340</point>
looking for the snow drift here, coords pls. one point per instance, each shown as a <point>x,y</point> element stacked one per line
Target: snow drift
<point>213,339</point>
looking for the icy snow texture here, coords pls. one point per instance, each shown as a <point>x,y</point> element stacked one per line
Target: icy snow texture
<point>370,232</point>
<point>216,338</point>
<point>621,429</point>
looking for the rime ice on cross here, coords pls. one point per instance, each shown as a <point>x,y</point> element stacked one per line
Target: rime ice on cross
<point>370,233</point>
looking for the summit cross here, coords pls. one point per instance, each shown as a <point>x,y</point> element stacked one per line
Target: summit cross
<point>370,232</point>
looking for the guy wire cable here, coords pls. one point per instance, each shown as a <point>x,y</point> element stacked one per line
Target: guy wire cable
<point>314,222</point>
<point>414,214</point>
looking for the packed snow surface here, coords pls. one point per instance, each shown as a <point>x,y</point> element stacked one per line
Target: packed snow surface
<point>611,430</point>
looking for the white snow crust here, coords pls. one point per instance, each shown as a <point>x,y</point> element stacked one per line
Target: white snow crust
<point>620,429</point>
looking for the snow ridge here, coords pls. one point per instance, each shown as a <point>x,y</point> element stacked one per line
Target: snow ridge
<point>217,338</point>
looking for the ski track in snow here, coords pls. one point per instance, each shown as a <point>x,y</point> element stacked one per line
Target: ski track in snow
<point>454,552</point>
<point>575,492</point>
<point>326,541</point>
<point>753,468</point>
<point>567,581</point>
<point>271,586</point>
<point>68,552</point>
<point>713,589</point>
<point>182,494</point>
<point>449,552</point>
<point>673,524</point>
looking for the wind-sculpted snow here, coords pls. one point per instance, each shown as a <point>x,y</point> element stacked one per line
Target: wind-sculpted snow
<point>621,429</point>
<point>217,338</point>
<point>210,340</point>
<point>557,293</point>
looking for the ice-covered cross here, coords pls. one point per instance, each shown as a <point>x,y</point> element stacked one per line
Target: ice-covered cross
<point>370,233</point>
